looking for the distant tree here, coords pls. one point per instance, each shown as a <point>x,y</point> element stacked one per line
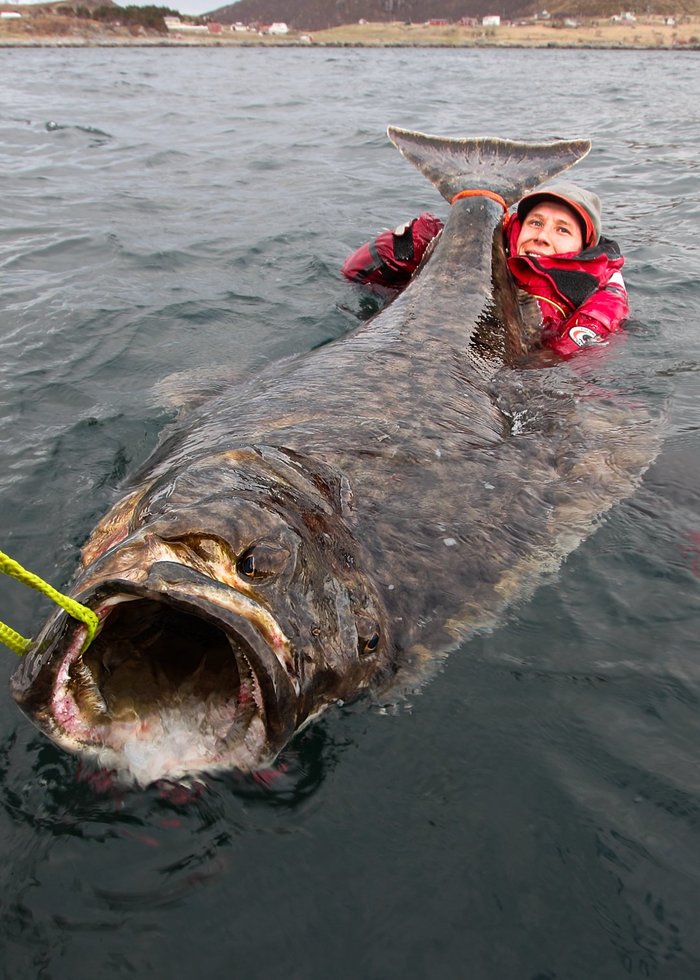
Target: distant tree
<point>151,18</point>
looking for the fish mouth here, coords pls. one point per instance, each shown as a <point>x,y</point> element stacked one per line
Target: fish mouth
<point>185,675</point>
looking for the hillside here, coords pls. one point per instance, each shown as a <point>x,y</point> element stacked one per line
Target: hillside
<point>314,15</point>
<point>82,19</point>
<point>100,23</point>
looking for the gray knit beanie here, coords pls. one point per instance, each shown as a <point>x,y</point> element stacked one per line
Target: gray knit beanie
<point>584,203</point>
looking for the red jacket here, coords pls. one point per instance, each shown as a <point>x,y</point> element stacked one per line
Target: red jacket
<point>582,297</point>
<point>392,258</point>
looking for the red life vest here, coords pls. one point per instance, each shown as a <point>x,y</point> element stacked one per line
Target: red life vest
<point>582,297</point>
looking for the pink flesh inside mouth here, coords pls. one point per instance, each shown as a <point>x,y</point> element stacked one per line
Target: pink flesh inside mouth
<point>159,692</point>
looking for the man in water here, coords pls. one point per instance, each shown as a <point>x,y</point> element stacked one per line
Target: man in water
<point>555,253</point>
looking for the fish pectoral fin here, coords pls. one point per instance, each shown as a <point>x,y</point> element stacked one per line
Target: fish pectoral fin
<point>187,390</point>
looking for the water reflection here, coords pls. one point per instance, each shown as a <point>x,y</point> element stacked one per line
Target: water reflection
<point>117,850</point>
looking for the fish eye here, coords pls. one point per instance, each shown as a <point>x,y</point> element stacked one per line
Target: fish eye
<point>262,561</point>
<point>246,565</point>
<point>368,636</point>
<point>371,644</point>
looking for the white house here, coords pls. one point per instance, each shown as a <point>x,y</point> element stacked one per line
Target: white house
<point>175,24</point>
<point>491,20</point>
<point>279,27</point>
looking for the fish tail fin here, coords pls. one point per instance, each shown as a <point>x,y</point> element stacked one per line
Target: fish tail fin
<point>506,167</point>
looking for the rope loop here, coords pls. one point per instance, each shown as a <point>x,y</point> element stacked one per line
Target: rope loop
<point>20,644</point>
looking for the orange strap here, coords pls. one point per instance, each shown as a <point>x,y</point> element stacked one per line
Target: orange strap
<point>481,193</point>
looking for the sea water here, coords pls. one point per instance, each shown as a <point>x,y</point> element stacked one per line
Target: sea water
<point>534,815</point>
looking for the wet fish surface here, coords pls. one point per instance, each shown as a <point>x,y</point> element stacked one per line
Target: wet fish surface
<point>333,525</point>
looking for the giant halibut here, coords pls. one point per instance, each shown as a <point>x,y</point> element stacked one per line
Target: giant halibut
<point>337,522</point>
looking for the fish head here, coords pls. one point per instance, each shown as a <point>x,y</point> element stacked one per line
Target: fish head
<point>234,606</point>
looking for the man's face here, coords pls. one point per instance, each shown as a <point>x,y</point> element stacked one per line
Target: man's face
<point>550,228</point>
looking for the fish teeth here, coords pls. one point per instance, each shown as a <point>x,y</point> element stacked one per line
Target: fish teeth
<point>88,688</point>
<point>254,686</point>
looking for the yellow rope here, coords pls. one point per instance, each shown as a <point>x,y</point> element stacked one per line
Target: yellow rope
<point>20,644</point>
<point>17,643</point>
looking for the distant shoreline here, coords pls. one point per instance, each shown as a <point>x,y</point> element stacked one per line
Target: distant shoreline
<point>61,42</point>
<point>646,34</point>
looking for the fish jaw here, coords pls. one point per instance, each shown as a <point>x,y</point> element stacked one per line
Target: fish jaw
<point>184,676</point>
<point>235,606</point>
